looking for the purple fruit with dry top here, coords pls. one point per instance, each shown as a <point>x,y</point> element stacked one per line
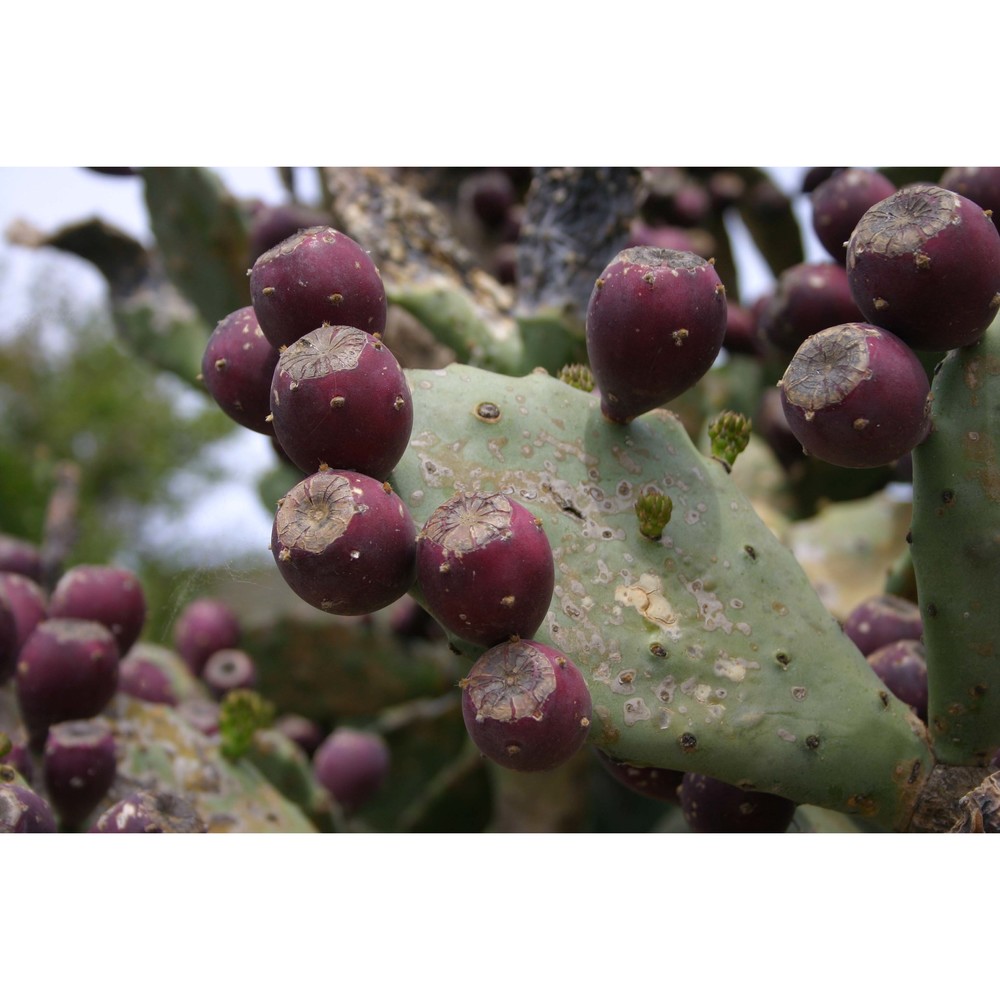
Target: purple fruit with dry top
<point>149,812</point>
<point>340,398</point>
<point>24,811</point>
<point>856,396</point>
<point>344,542</point>
<point>229,670</point>
<point>237,368</point>
<point>526,706</point>
<point>655,324</point>
<point>80,766</point>
<point>485,568</point>
<point>925,264</point>
<point>318,276</point>
<point>979,184</point>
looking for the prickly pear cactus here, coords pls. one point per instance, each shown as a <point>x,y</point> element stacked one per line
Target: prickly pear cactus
<point>956,505</point>
<point>704,651</point>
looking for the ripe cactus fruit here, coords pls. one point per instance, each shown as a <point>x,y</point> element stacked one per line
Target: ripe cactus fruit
<point>713,806</point>
<point>148,812</point>
<point>80,766</point>
<point>807,298</point>
<point>237,368</point>
<point>979,184</point>
<point>20,556</point>
<point>28,603</point>
<point>339,398</point>
<point>838,203</point>
<point>881,619</point>
<point>352,766</point>
<point>68,669</point>
<point>526,706</point>
<point>344,542</point>
<point>902,668</point>
<point>110,595</point>
<point>655,324</point>
<point>229,670</point>
<point>205,626</point>
<point>856,396</point>
<point>658,783</point>
<point>925,263</point>
<point>318,276</point>
<point>24,811</point>
<point>9,645</point>
<point>485,568</point>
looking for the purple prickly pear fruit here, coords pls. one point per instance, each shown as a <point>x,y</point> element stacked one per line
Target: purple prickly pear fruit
<point>339,398</point>
<point>712,806</point>
<point>271,224</point>
<point>344,542</point>
<point>979,184</point>
<point>20,556</point>
<point>110,595</point>
<point>902,668</point>
<point>307,733</point>
<point>80,766</point>
<point>882,619</point>
<point>485,568</point>
<point>655,324</point>
<point>526,706</point>
<point>815,176</point>
<point>28,603</point>
<point>205,626</point>
<point>352,765</point>
<point>24,811</point>
<point>925,263</point>
<point>667,237</point>
<point>410,620</point>
<point>490,194</point>
<point>654,782</point>
<point>318,276</point>
<point>840,201</point>
<point>856,396</point>
<point>237,368</point>
<point>9,645</point>
<point>141,674</point>
<point>807,298</point>
<point>772,425</point>
<point>68,669</point>
<point>149,812</point>
<point>228,670</point>
<point>742,333</point>
<point>19,758</point>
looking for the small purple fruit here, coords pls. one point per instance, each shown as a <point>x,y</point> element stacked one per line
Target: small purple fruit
<point>80,766</point>
<point>526,706</point>
<point>9,644</point>
<point>110,595</point>
<point>317,277</point>
<point>656,321</point>
<point>307,733</point>
<point>485,568</point>
<point>228,670</point>
<point>271,224</point>
<point>149,812</point>
<point>902,668</point>
<point>657,783</point>
<point>237,368</point>
<point>882,619</point>
<point>28,603</point>
<point>68,669</point>
<point>856,396</point>
<point>352,766</point>
<point>979,184</point>
<point>344,542</point>
<point>925,264</point>
<point>840,201</point>
<point>205,626</point>
<point>154,673</point>
<point>807,298</point>
<point>24,811</point>
<point>713,806</point>
<point>339,398</point>
<point>20,556</point>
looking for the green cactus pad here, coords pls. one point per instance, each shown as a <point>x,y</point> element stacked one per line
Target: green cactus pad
<point>707,650</point>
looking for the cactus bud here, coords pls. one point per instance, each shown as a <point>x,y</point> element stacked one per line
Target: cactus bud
<point>653,511</point>
<point>729,433</point>
<point>241,714</point>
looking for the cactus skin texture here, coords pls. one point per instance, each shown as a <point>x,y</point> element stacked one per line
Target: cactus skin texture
<point>956,552</point>
<point>707,651</point>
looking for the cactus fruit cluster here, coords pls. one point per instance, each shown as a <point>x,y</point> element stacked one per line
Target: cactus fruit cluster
<point>603,490</point>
